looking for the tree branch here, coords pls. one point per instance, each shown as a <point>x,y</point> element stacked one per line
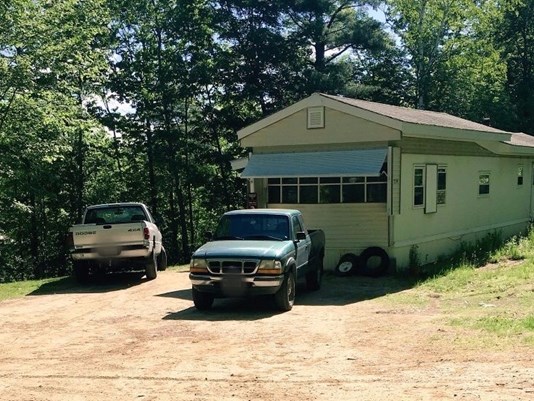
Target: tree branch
<point>339,53</point>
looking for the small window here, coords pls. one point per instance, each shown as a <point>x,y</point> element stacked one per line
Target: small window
<point>484,184</point>
<point>520,175</point>
<point>418,187</point>
<point>442,185</point>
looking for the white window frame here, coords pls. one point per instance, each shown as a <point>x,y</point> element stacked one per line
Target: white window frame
<point>520,174</point>
<point>429,185</point>
<point>431,188</point>
<point>422,185</point>
<point>443,191</point>
<point>367,181</point>
<point>481,174</point>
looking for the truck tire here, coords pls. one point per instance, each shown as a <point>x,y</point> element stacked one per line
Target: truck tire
<point>162,260</point>
<point>202,300</point>
<point>284,298</point>
<point>377,268</point>
<point>81,272</point>
<point>314,277</point>
<point>151,267</point>
<point>347,265</point>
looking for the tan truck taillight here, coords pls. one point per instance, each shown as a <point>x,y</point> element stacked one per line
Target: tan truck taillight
<point>70,240</point>
<point>146,233</point>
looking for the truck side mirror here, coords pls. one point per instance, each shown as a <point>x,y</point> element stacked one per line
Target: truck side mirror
<point>208,235</point>
<point>301,236</point>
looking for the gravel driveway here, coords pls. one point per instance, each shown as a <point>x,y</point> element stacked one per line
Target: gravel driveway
<point>131,339</point>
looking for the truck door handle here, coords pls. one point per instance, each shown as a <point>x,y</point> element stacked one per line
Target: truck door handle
<point>106,227</point>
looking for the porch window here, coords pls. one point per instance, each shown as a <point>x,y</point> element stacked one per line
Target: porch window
<point>274,189</point>
<point>289,190</point>
<point>353,190</point>
<point>308,190</point>
<point>330,190</point>
<point>324,190</point>
<point>376,189</point>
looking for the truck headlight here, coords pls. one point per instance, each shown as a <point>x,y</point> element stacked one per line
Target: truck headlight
<point>198,266</point>
<point>270,266</point>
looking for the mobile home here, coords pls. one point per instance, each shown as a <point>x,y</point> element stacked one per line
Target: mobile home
<point>376,175</point>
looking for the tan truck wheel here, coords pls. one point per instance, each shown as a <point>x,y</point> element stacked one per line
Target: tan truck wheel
<point>151,268</point>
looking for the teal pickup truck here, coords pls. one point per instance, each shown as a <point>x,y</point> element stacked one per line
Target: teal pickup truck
<point>257,252</point>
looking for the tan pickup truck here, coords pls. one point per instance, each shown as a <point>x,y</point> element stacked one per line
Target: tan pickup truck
<point>116,237</point>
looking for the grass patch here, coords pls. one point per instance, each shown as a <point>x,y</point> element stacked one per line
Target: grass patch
<point>180,268</point>
<point>506,325</point>
<point>486,290</point>
<point>21,289</point>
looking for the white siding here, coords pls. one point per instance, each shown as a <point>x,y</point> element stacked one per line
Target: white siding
<point>347,227</point>
<point>465,212</point>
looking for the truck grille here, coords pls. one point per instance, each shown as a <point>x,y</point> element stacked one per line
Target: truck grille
<point>233,266</point>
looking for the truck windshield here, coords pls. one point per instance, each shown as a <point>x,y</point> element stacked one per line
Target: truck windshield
<point>253,226</point>
<point>115,215</point>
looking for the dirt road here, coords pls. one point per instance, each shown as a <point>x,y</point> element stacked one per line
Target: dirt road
<point>143,340</point>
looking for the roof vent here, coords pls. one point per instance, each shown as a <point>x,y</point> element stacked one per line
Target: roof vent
<point>316,117</point>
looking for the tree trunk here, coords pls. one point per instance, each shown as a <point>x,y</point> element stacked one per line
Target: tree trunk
<point>186,249</point>
<point>80,178</point>
<point>152,185</point>
<point>320,56</point>
<point>173,225</point>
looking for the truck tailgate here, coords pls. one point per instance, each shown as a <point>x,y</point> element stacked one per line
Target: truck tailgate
<point>93,235</point>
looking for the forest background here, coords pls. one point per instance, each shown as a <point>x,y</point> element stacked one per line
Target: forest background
<point>140,100</point>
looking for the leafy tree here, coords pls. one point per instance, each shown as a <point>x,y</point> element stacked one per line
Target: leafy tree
<point>50,55</point>
<point>261,66</point>
<point>428,30</point>
<point>514,34</point>
<point>383,77</point>
<point>334,30</point>
<point>169,67</point>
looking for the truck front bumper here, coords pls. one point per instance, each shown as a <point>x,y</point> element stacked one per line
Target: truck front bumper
<point>236,285</point>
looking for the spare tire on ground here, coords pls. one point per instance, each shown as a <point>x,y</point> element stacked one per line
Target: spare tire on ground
<point>374,262</point>
<point>347,265</point>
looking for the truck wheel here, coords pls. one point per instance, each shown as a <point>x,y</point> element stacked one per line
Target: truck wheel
<point>151,268</point>
<point>314,277</point>
<point>374,261</point>
<point>347,265</point>
<point>285,296</point>
<point>162,260</point>
<point>202,300</point>
<point>81,272</point>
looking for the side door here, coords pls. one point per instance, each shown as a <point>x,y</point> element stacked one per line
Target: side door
<point>303,246</point>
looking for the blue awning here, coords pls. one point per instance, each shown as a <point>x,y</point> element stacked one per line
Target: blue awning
<point>344,163</point>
